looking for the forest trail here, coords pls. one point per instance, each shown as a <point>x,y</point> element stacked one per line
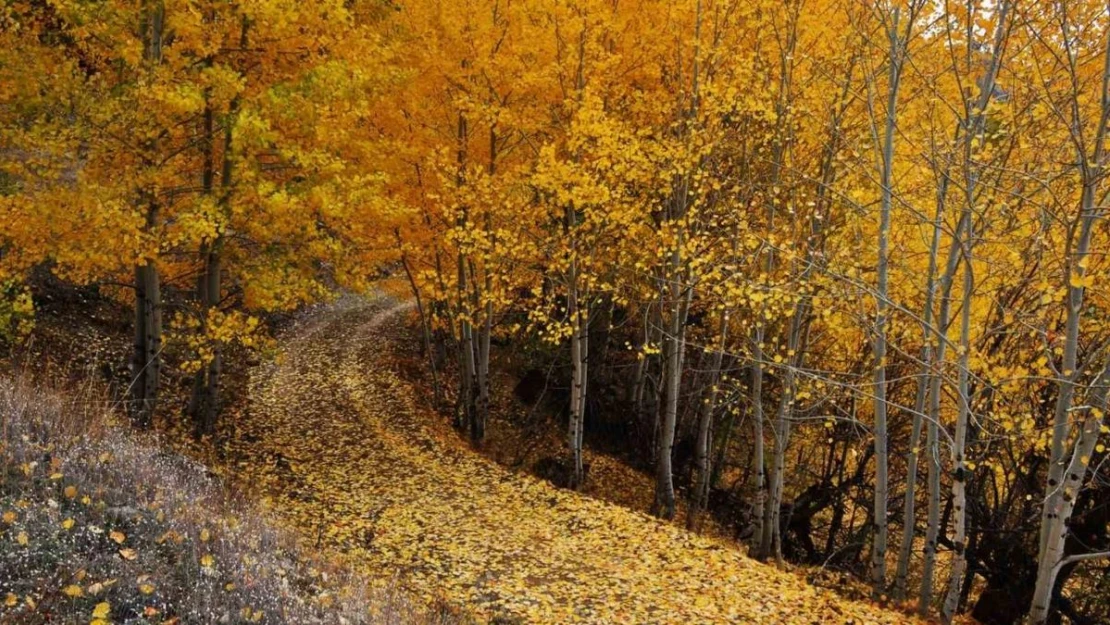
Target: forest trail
<point>334,442</point>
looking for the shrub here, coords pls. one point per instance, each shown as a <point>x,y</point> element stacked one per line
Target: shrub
<point>17,312</point>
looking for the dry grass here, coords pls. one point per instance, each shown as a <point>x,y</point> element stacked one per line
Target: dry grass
<point>100,524</point>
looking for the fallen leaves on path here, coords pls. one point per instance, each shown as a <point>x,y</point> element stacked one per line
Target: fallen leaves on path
<point>334,441</point>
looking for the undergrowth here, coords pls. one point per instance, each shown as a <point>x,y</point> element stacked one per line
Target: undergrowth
<point>101,525</point>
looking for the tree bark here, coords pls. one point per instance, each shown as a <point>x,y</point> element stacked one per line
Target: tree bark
<point>699,499</point>
<point>208,176</point>
<point>783,422</point>
<point>1054,557</point>
<point>932,420</point>
<point>879,545</point>
<point>909,517</point>
<point>579,343</point>
<point>485,331</point>
<point>1063,486</point>
<point>673,345</point>
<point>759,509</point>
<point>146,358</point>
<point>425,331</point>
<point>1091,170</point>
<point>959,451</point>
<point>466,409</point>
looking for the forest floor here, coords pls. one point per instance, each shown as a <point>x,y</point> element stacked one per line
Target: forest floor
<point>336,444</point>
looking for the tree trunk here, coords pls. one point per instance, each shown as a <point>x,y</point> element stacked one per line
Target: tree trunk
<point>759,550</point>
<point>579,339</point>
<point>652,386</point>
<point>485,331</point>
<point>933,526</point>
<point>481,402</point>
<point>639,379</point>
<point>210,406</point>
<point>208,176</point>
<point>699,499</point>
<point>959,451</point>
<point>1054,557</point>
<point>1063,485</point>
<point>783,422</point>
<point>425,331</point>
<point>466,409</point>
<point>986,92</point>
<point>1069,369</point>
<point>673,343</point>
<point>879,546</point>
<point>909,517</point>
<point>146,360</point>
<point>721,453</point>
<point>974,127</point>
<point>763,514</point>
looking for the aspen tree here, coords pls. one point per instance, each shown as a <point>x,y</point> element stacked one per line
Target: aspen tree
<point>1064,478</point>
<point>895,62</point>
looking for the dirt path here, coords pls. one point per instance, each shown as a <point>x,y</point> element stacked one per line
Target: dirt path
<point>334,442</point>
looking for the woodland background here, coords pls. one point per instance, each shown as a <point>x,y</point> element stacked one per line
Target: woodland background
<point>831,272</point>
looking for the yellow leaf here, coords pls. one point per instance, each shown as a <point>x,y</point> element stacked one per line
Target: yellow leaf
<point>119,537</point>
<point>102,610</point>
<point>128,554</point>
<point>1078,282</point>
<point>73,590</point>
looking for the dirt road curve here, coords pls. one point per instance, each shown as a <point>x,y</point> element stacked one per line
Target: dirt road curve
<point>334,442</point>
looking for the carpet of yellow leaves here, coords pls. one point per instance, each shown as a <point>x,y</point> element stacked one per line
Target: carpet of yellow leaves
<point>333,442</point>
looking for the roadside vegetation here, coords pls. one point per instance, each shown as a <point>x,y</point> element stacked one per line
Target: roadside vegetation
<point>101,525</point>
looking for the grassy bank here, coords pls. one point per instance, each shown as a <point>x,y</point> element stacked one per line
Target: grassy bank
<point>98,524</point>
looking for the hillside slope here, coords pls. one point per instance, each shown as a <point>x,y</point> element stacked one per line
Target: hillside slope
<point>334,443</point>
<point>99,524</point>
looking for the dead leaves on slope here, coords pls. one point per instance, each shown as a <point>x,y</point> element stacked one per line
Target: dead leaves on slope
<point>334,440</point>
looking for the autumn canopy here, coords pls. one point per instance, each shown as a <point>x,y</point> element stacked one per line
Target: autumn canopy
<point>843,261</point>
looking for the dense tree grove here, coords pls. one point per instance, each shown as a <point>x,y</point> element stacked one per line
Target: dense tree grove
<point>839,262</point>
